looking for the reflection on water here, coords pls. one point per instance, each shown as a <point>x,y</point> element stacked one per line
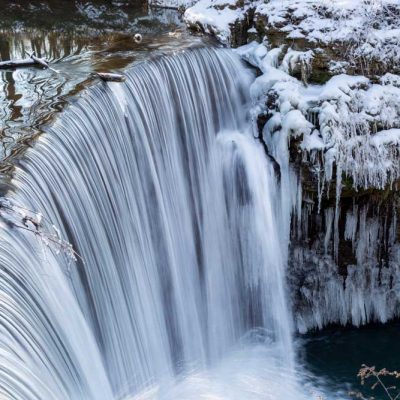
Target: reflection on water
<point>71,14</point>
<point>78,38</point>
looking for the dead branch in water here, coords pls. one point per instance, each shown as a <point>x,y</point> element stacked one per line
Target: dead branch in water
<point>40,61</point>
<point>29,62</point>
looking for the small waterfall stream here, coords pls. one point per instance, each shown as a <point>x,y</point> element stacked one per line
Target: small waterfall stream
<point>173,207</point>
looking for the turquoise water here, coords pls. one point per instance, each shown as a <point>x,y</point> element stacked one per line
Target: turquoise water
<point>336,355</point>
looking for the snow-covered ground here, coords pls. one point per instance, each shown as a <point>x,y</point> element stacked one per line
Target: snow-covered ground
<point>370,29</point>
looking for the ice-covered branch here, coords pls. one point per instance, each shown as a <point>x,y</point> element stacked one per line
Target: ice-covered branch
<point>19,217</point>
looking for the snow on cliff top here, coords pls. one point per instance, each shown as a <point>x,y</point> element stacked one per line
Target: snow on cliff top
<point>351,123</point>
<point>318,20</point>
<point>327,21</point>
<point>216,16</point>
<point>172,3</point>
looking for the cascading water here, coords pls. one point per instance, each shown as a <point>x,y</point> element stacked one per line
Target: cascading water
<point>172,205</point>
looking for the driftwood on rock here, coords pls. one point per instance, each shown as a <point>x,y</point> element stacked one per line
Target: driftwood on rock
<point>109,77</point>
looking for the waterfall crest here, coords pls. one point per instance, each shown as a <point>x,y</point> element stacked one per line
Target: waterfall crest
<point>170,202</point>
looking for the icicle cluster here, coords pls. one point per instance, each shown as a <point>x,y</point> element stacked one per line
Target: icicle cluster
<point>370,289</point>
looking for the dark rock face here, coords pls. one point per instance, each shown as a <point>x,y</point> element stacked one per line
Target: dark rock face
<point>344,258</point>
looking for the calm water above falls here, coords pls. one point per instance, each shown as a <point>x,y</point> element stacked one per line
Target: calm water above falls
<point>77,39</point>
<point>174,208</point>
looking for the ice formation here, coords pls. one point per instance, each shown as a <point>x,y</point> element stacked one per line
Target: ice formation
<point>349,125</point>
<point>346,128</point>
<point>369,290</point>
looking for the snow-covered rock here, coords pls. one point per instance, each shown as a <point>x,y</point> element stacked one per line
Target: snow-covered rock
<point>218,16</point>
<point>353,35</point>
<point>352,123</point>
<point>172,3</point>
<point>369,32</point>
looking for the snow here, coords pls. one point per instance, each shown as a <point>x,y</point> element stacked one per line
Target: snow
<point>368,30</point>
<point>295,58</point>
<point>349,120</point>
<point>264,83</point>
<point>172,3</point>
<point>253,53</point>
<point>390,79</point>
<point>388,137</point>
<point>342,87</point>
<point>213,20</point>
<point>217,16</point>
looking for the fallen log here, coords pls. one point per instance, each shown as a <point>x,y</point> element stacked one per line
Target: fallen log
<point>29,62</point>
<point>40,61</point>
<point>109,77</point>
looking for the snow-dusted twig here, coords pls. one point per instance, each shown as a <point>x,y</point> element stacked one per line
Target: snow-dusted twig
<point>25,219</point>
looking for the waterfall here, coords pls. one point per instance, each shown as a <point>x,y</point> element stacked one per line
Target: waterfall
<point>172,207</point>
